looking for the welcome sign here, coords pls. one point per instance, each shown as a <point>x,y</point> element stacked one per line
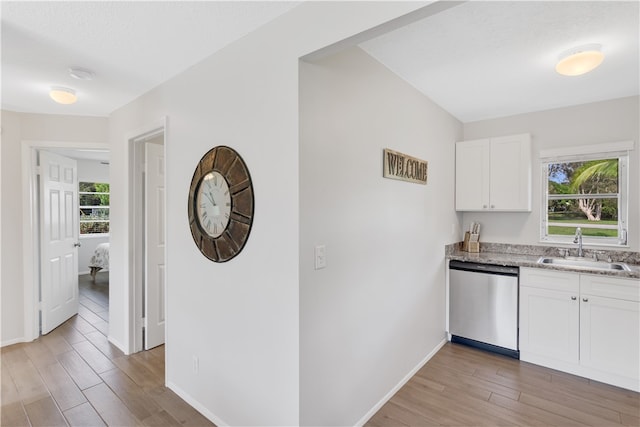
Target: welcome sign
<point>403,167</point>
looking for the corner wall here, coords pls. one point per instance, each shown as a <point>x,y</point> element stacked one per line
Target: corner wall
<point>606,121</point>
<point>378,308</point>
<point>239,318</point>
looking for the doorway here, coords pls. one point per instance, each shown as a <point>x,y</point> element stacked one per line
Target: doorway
<point>66,289</point>
<point>148,239</point>
<point>94,222</point>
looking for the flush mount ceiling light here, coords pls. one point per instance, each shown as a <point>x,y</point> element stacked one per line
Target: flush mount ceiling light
<point>579,60</point>
<point>63,95</point>
<point>81,73</point>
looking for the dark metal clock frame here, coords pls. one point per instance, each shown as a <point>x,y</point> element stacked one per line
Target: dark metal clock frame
<point>231,166</point>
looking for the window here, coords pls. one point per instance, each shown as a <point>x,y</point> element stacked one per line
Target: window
<point>587,191</point>
<point>94,207</point>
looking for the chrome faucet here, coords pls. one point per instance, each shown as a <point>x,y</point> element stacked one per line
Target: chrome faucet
<point>578,239</point>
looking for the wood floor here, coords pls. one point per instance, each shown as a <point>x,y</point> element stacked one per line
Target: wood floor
<point>462,386</point>
<point>74,376</point>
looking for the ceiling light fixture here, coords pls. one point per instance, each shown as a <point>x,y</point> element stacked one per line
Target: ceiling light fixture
<point>63,95</point>
<point>81,73</point>
<point>579,60</point>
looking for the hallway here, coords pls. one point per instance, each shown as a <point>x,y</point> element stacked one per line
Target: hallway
<point>94,300</point>
<point>74,376</point>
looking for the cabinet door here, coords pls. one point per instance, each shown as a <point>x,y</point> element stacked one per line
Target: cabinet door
<point>610,335</point>
<point>472,175</point>
<point>549,323</point>
<point>510,188</point>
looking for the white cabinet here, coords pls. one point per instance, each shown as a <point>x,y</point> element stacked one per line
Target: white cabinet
<point>549,314</point>
<point>585,324</point>
<point>610,325</point>
<point>494,174</point>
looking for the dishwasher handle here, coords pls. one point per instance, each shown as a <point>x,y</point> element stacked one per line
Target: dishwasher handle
<point>484,268</point>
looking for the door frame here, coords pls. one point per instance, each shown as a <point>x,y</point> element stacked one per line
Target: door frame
<point>135,144</point>
<point>31,226</point>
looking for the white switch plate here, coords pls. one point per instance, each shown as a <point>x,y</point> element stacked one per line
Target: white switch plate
<point>320,257</point>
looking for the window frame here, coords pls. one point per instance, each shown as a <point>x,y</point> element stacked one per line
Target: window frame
<point>108,207</point>
<point>580,154</point>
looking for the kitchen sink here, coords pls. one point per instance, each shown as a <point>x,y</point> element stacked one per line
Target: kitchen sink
<point>584,263</point>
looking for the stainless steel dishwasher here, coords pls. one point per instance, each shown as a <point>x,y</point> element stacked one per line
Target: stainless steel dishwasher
<point>483,306</point>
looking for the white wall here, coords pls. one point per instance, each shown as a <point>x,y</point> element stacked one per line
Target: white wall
<point>12,322</point>
<point>607,121</point>
<point>378,309</point>
<point>92,171</point>
<point>239,318</point>
<point>18,127</point>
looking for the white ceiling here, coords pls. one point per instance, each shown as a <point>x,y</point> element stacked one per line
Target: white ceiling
<point>82,154</point>
<point>478,60</point>
<point>131,46</point>
<point>484,60</point>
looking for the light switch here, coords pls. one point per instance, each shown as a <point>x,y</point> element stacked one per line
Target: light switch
<point>321,257</point>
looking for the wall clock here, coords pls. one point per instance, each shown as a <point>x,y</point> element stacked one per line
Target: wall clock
<point>221,204</point>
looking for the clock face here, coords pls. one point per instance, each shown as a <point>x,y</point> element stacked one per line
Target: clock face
<point>220,204</point>
<point>213,202</point>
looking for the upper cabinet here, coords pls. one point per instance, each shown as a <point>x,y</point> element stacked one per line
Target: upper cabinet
<point>494,174</point>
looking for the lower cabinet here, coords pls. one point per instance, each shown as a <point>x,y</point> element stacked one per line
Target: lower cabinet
<point>588,325</point>
<point>550,323</point>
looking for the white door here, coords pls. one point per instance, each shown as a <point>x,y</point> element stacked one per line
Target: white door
<point>58,239</point>
<point>154,244</point>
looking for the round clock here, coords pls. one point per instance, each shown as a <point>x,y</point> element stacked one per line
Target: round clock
<point>221,204</point>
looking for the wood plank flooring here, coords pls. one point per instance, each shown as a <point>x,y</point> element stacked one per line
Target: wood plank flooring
<point>463,386</point>
<point>73,376</point>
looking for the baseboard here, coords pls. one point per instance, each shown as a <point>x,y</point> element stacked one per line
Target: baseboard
<point>398,386</point>
<point>118,344</point>
<point>12,342</point>
<point>81,273</point>
<point>196,405</point>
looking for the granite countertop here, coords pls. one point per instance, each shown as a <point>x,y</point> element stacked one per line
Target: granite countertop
<point>527,256</point>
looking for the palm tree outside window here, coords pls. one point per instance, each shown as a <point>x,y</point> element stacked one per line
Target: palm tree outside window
<point>587,193</point>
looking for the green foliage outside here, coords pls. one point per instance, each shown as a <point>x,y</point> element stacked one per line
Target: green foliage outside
<point>93,218</point>
<point>584,178</point>
<point>94,227</point>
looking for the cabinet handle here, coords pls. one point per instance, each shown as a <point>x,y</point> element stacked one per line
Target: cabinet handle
<point>573,298</point>
<point>493,206</point>
<point>585,299</point>
<point>484,206</point>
